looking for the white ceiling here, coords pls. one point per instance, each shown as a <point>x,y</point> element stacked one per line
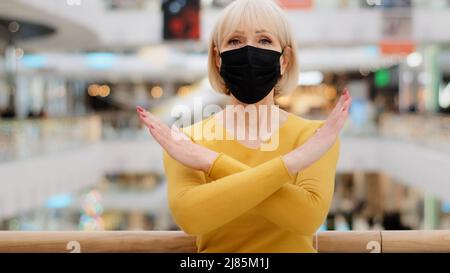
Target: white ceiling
<point>70,34</point>
<point>136,28</point>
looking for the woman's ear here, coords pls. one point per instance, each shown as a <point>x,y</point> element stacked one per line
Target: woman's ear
<point>217,57</point>
<point>284,59</point>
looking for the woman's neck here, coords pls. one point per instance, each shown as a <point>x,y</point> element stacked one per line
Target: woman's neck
<point>245,117</point>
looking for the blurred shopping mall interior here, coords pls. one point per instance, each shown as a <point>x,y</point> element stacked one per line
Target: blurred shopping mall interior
<point>74,155</point>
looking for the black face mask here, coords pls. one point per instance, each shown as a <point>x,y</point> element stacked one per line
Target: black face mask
<point>250,73</point>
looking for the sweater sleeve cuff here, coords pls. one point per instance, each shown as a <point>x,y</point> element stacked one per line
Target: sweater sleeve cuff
<point>212,168</point>
<point>223,166</point>
<point>289,174</point>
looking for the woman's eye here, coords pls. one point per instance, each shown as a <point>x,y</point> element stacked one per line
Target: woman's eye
<point>265,41</point>
<point>233,42</point>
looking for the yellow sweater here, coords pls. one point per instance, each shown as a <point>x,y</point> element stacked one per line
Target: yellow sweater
<point>248,201</point>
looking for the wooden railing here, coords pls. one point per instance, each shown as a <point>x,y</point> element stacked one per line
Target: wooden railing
<point>178,241</point>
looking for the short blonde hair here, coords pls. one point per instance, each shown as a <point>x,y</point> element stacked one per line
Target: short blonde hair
<point>259,13</point>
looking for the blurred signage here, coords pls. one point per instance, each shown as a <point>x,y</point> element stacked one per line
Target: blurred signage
<point>382,78</point>
<point>397,27</point>
<point>181,19</point>
<point>388,4</point>
<point>296,4</point>
<point>405,47</point>
<point>125,4</point>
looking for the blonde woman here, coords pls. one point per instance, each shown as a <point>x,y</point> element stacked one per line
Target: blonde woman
<point>230,193</point>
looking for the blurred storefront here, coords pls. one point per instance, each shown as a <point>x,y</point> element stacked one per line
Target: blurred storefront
<point>73,155</point>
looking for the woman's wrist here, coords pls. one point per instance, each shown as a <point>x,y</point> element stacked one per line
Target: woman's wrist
<point>293,161</point>
<point>207,158</point>
<point>306,154</point>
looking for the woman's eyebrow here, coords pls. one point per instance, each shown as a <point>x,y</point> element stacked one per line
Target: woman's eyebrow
<point>239,31</point>
<point>257,31</point>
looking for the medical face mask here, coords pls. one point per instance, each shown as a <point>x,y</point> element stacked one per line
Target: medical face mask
<point>250,73</point>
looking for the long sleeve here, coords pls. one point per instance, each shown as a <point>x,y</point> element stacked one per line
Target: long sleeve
<point>300,207</point>
<point>199,207</point>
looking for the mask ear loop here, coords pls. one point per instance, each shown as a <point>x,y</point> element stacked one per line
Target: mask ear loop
<point>282,51</point>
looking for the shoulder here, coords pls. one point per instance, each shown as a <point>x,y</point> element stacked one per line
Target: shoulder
<point>305,127</point>
<point>306,124</point>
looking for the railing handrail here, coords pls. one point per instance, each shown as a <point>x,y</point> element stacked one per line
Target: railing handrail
<point>178,241</point>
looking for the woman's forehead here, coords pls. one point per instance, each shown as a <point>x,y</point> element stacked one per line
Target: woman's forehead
<point>254,29</point>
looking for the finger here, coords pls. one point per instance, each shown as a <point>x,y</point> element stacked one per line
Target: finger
<point>345,91</point>
<point>155,132</point>
<point>340,117</point>
<point>151,129</point>
<point>161,126</point>
<point>163,141</point>
<point>340,102</point>
<point>345,96</point>
<point>152,118</point>
<point>151,121</point>
<point>146,121</point>
<point>343,119</point>
<point>347,104</point>
<point>162,132</point>
<point>338,108</point>
<point>140,110</point>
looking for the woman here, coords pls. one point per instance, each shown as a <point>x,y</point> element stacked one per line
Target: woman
<point>233,195</point>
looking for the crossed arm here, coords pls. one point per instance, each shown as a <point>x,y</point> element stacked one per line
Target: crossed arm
<point>300,207</point>
<point>297,204</point>
<point>200,207</point>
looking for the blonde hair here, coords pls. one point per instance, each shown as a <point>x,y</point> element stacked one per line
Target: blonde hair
<point>259,13</point>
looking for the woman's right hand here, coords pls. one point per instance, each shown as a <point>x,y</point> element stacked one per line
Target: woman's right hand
<point>177,144</point>
<point>324,138</point>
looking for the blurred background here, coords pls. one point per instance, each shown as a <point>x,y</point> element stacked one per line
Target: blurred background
<point>74,156</point>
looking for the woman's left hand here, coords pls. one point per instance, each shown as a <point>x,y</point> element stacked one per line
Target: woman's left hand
<point>177,144</point>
